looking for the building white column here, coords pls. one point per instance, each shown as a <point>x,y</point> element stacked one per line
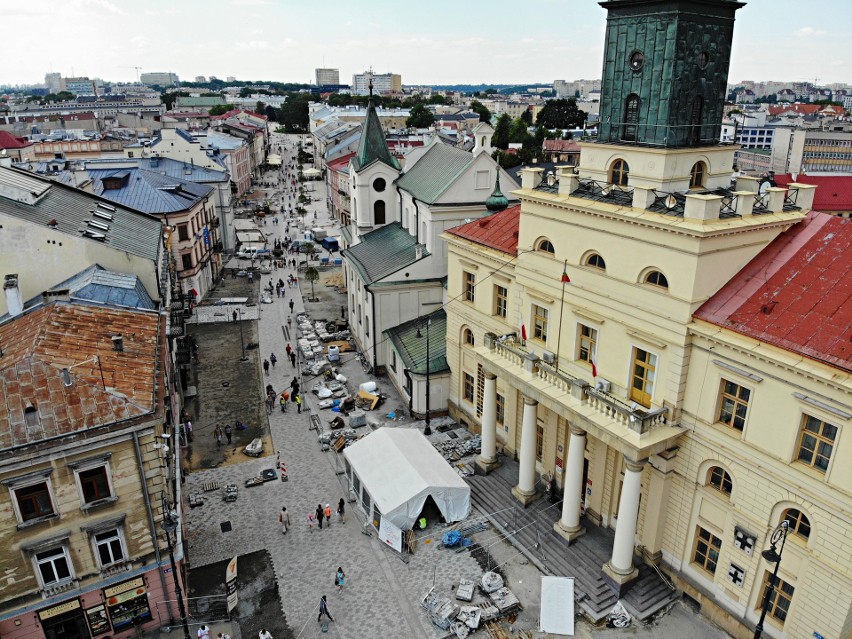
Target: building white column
<point>487,459</point>
<point>569,525</point>
<point>620,566</point>
<point>525,490</point>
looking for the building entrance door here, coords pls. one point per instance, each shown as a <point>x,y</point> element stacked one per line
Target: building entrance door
<point>71,625</point>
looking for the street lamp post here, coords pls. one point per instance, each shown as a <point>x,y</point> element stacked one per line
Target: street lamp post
<point>773,557</point>
<point>170,524</point>
<point>243,358</point>
<point>428,429</point>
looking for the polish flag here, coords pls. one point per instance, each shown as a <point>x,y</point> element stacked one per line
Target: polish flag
<point>594,369</point>
<point>524,332</point>
<point>565,278</point>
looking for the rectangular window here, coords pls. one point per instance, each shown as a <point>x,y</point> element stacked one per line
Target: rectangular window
<point>393,361</point>
<point>733,405</point>
<point>539,441</point>
<point>469,385</point>
<point>34,501</point>
<point>183,232</point>
<point>779,599</point>
<point>186,261</point>
<point>53,566</point>
<point>707,547</point>
<point>501,409</point>
<point>816,443</point>
<point>108,545</point>
<point>469,287</point>
<point>94,483</point>
<point>644,375</point>
<point>501,301</point>
<point>539,314</point>
<point>587,346</point>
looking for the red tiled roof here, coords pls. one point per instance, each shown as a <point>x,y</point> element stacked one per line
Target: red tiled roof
<point>498,231</point>
<point>834,192</point>
<point>9,141</point>
<point>564,146</point>
<point>801,109</point>
<point>796,294</point>
<point>340,162</point>
<point>40,343</point>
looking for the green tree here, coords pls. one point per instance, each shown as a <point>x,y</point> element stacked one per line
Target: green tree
<point>294,112</point>
<point>219,109</point>
<point>339,99</point>
<point>420,117</point>
<point>169,98</point>
<point>437,98</point>
<point>312,275</point>
<point>481,110</point>
<point>259,107</point>
<point>518,133</point>
<point>561,114</point>
<point>500,139</point>
<point>506,160</point>
<point>526,116</point>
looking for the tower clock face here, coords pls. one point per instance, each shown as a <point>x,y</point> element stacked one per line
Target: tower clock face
<point>637,60</point>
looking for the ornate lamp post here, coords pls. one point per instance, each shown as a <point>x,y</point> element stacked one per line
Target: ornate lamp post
<point>428,429</point>
<point>773,557</point>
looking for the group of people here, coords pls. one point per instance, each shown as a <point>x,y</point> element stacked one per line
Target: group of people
<point>220,432</point>
<point>321,514</point>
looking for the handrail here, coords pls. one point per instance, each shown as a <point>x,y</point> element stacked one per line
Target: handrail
<point>638,420</point>
<point>599,191</point>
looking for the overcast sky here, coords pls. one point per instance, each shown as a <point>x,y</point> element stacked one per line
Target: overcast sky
<point>426,41</point>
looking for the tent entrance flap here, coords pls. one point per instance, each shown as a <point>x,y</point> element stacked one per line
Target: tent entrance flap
<point>431,511</point>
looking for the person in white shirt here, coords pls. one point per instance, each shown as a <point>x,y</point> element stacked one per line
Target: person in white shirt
<point>203,632</point>
<point>264,634</point>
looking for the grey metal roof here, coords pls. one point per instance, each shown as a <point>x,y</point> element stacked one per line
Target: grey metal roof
<point>149,191</point>
<point>169,167</point>
<point>383,252</point>
<point>412,349</point>
<point>129,230</point>
<point>96,284</point>
<point>433,173</point>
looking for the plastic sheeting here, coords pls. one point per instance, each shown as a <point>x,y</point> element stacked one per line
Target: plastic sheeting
<point>400,469</point>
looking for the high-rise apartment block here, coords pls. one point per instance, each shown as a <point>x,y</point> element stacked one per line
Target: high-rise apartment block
<point>162,78</point>
<point>382,83</point>
<point>327,77</point>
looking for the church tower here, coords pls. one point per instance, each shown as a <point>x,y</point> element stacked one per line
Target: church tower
<point>665,71</point>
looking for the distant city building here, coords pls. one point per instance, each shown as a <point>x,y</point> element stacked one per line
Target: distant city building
<point>200,78</point>
<point>77,86</point>
<point>326,77</point>
<point>230,78</point>
<point>161,78</point>
<point>382,83</point>
<point>213,78</point>
<point>576,88</point>
<point>811,151</point>
<point>53,82</point>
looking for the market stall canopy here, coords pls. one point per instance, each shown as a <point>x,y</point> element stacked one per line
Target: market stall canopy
<point>273,160</point>
<point>400,469</point>
<point>311,173</point>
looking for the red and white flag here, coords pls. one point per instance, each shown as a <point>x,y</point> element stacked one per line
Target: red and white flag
<point>594,369</point>
<point>524,332</point>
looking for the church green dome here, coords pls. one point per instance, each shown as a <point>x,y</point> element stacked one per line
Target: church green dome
<point>496,202</point>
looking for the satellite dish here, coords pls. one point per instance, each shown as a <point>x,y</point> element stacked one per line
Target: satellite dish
<point>670,201</point>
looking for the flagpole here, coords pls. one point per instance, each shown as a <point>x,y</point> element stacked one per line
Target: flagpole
<point>561,313</point>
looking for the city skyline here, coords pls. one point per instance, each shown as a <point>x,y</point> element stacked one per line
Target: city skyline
<point>555,40</point>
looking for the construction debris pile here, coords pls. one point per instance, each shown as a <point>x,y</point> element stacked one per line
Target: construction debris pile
<point>316,334</point>
<point>494,600</point>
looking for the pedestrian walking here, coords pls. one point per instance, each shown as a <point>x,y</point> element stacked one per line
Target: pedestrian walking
<point>264,634</point>
<point>289,349</point>
<point>299,403</point>
<point>318,514</point>
<point>228,432</point>
<point>272,359</point>
<point>217,433</point>
<point>266,366</point>
<point>188,428</point>
<point>327,513</point>
<point>293,358</point>
<point>323,610</point>
<point>203,632</point>
<point>311,522</point>
<point>295,386</point>
<point>341,511</point>
<point>292,304</point>
<point>284,519</point>
<point>235,315</point>
<point>270,403</point>
<point>339,579</point>
<point>282,401</point>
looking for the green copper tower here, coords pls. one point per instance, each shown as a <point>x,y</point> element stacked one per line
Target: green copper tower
<point>665,71</point>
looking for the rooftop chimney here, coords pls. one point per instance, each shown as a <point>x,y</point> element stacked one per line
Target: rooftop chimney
<point>14,301</point>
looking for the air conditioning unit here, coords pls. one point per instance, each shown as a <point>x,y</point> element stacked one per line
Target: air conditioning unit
<point>548,357</point>
<point>602,385</point>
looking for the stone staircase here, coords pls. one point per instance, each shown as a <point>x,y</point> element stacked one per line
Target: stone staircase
<point>530,530</point>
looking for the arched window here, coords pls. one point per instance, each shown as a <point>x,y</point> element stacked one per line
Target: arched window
<point>799,523</point>
<point>619,173</point>
<point>468,337</point>
<point>657,279</point>
<point>718,478</point>
<point>631,118</point>
<point>596,261</point>
<point>696,175</point>
<point>695,115</point>
<point>379,212</point>
<point>546,246</point>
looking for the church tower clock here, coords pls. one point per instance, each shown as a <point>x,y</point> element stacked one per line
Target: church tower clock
<point>665,71</point>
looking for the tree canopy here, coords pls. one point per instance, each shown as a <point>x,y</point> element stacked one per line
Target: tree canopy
<point>481,110</point>
<point>420,117</point>
<point>561,114</point>
<point>500,139</point>
<point>219,109</point>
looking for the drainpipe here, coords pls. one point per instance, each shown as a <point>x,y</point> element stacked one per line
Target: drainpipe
<point>416,221</point>
<point>399,199</point>
<point>152,525</point>
<point>407,373</point>
<point>375,344</point>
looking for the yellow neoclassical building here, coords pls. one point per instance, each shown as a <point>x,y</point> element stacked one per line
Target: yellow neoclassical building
<point>673,348</point>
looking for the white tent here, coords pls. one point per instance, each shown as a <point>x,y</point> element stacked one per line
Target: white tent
<point>312,174</point>
<point>394,471</point>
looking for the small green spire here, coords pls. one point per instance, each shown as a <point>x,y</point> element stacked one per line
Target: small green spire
<point>496,202</point>
<point>373,145</point>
